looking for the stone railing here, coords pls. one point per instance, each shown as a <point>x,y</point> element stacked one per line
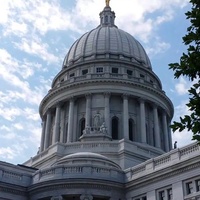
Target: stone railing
<point>13,175</point>
<point>82,171</point>
<point>167,159</point>
<point>106,75</point>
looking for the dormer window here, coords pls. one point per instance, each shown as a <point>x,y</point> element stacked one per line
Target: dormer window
<point>115,70</point>
<point>129,72</point>
<point>84,72</point>
<point>71,75</point>
<point>99,70</point>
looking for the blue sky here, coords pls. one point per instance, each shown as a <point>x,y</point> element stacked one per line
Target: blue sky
<point>36,35</point>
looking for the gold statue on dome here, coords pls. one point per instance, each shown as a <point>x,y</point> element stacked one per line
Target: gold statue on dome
<point>107,3</point>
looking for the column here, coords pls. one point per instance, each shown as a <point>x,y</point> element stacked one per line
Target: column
<point>88,110</point>
<point>62,131</point>
<point>142,122</point>
<point>107,112</point>
<point>43,135</point>
<point>165,131</point>
<point>70,121</point>
<point>156,127</point>
<point>125,116</point>
<point>47,130</point>
<point>56,130</point>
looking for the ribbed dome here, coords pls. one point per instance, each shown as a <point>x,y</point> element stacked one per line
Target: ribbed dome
<point>107,42</point>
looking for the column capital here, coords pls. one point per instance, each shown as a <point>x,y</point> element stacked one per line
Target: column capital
<point>72,99</point>
<point>141,100</point>
<point>107,94</point>
<point>88,95</point>
<point>125,95</point>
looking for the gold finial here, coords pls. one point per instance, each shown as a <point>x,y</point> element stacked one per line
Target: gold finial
<point>107,3</point>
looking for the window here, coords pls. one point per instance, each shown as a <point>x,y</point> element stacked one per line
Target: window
<point>72,75</point>
<point>82,126</point>
<point>129,72</point>
<point>144,198</point>
<point>189,188</point>
<point>115,70</point>
<point>198,185</point>
<point>62,80</point>
<point>115,128</point>
<point>85,71</point>
<point>162,195</point>
<point>99,69</point>
<point>142,76</point>
<point>131,129</point>
<point>169,194</point>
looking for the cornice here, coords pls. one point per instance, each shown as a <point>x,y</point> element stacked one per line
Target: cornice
<point>162,174</point>
<point>63,87</point>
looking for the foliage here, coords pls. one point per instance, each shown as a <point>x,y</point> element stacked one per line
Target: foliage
<point>189,67</point>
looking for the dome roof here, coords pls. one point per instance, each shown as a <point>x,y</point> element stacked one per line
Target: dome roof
<point>86,158</point>
<point>106,42</point>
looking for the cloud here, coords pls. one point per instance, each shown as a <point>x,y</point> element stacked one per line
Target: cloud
<point>182,86</point>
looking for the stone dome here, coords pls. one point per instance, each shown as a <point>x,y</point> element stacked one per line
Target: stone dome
<point>81,158</point>
<point>106,42</point>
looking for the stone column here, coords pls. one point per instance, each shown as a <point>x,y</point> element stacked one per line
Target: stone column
<point>165,131</point>
<point>142,121</point>
<point>70,121</point>
<point>56,130</point>
<point>47,130</point>
<point>62,131</point>
<point>125,116</point>
<point>86,197</point>
<point>88,110</point>
<point>43,135</point>
<point>156,127</point>
<point>107,112</point>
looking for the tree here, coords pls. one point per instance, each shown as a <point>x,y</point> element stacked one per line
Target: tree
<point>189,67</point>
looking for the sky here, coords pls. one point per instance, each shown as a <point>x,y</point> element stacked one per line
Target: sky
<point>35,37</point>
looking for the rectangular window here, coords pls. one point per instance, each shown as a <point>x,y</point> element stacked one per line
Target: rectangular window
<point>99,70</point>
<point>85,71</point>
<point>115,70</point>
<point>161,195</point>
<point>198,185</point>
<point>144,198</point>
<point>189,188</point>
<point>169,194</point>
<point>142,76</point>
<point>129,72</point>
<point>72,75</point>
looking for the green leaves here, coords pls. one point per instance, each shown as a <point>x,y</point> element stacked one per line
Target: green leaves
<point>189,66</point>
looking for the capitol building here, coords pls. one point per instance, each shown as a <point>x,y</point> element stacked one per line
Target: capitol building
<point>105,129</point>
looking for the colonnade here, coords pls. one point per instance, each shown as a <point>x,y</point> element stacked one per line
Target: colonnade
<point>57,135</point>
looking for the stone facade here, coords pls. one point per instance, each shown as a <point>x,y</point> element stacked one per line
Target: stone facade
<point>105,132</point>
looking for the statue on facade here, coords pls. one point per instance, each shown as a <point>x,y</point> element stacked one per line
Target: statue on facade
<point>103,128</point>
<point>87,129</point>
<point>97,121</point>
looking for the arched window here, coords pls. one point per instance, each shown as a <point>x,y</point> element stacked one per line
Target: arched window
<point>66,133</point>
<point>106,19</point>
<point>131,130</point>
<point>82,126</point>
<point>147,134</point>
<point>115,123</point>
